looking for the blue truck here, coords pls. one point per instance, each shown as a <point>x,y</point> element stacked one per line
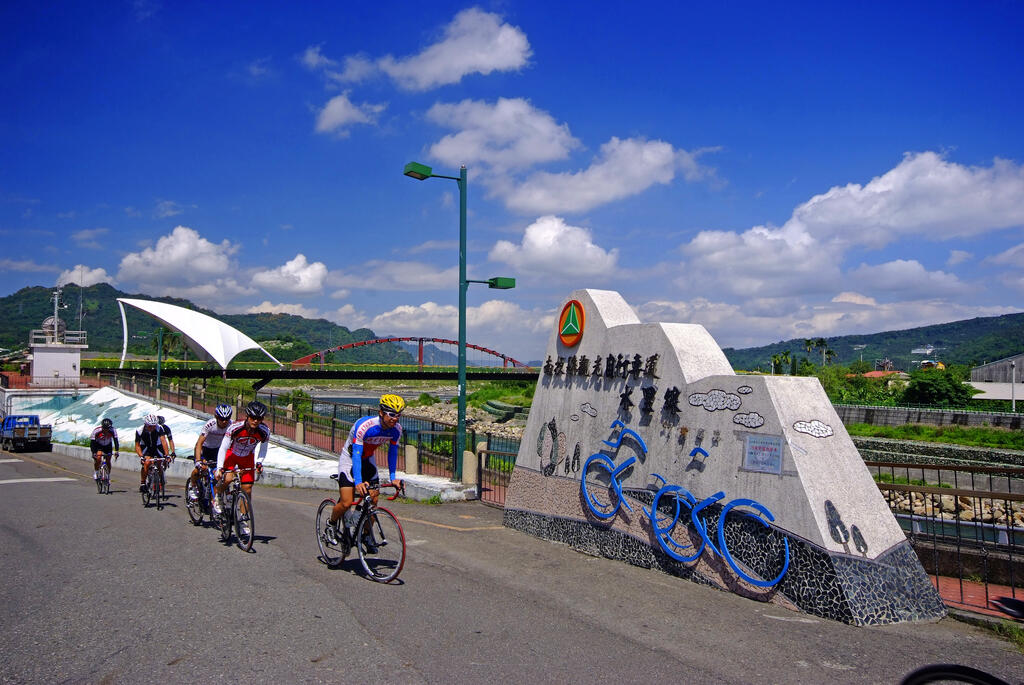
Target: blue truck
<point>25,432</point>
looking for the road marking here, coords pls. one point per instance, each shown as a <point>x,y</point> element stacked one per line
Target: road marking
<point>9,461</point>
<point>34,480</point>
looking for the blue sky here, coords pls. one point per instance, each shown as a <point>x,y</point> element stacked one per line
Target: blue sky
<point>770,172</point>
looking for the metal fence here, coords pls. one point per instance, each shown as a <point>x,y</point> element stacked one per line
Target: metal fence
<point>966,524</point>
<point>320,424</point>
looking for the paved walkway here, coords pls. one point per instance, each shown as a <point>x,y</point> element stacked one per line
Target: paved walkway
<point>974,597</point>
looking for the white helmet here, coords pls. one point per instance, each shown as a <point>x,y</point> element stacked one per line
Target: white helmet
<point>150,420</point>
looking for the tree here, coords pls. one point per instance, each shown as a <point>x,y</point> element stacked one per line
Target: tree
<point>937,388</point>
<point>776,360</point>
<point>829,355</point>
<point>822,344</point>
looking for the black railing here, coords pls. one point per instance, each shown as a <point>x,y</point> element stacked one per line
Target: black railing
<point>966,524</point>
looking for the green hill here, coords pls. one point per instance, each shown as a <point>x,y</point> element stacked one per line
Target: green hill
<point>970,342</point>
<point>291,336</point>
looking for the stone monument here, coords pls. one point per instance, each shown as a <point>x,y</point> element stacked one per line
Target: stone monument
<point>643,445</point>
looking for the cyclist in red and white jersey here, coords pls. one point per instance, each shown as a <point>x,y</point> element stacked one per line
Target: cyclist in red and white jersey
<point>238,450</point>
<point>102,443</point>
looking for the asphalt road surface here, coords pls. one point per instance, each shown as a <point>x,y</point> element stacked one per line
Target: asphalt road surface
<point>97,589</point>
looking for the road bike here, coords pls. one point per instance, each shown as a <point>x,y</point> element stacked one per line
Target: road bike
<point>199,495</point>
<point>155,482</point>
<point>103,476</point>
<point>236,511</point>
<point>381,541</point>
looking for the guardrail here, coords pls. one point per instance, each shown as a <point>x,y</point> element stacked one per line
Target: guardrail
<point>493,473</point>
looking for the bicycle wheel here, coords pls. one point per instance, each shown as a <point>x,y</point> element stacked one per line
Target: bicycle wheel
<point>597,478</point>
<point>147,492</point>
<point>105,478</point>
<point>99,481</point>
<point>193,502</point>
<point>332,553</point>
<point>382,550</point>
<point>245,521</point>
<point>224,520</point>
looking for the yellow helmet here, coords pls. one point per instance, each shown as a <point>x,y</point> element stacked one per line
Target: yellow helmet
<point>392,403</point>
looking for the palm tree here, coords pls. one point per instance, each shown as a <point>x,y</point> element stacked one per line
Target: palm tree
<point>829,354</point>
<point>808,345</point>
<point>823,345</point>
<point>776,360</point>
<point>784,357</point>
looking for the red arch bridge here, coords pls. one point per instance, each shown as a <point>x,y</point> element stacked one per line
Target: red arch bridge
<point>506,361</point>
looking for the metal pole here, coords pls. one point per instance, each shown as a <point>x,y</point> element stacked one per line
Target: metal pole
<point>1013,384</point>
<point>460,435</point>
<point>159,354</point>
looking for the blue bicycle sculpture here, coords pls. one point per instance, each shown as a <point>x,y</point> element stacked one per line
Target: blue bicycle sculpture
<point>664,526</point>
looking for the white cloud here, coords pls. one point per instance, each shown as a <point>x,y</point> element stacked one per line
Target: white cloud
<point>906,279</point>
<point>854,298</point>
<point>430,246</point>
<point>391,275</point>
<point>266,307</point>
<point>1011,257</point>
<point>557,250</point>
<point>341,294</point>
<point>474,42</point>
<point>181,258</point>
<point>510,134</point>
<point>84,276</point>
<point>958,257</point>
<point>923,195</point>
<point>167,208</point>
<point>314,59</point>
<point>26,265</point>
<point>755,321</point>
<point>624,167</point>
<point>297,276</point>
<point>500,325</point>
<point>89,237</point>
<point>340,113</point>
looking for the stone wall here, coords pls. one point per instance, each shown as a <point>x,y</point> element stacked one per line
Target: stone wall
<point>899,416</point>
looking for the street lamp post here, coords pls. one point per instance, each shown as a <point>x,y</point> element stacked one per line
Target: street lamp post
<point>422,172</point>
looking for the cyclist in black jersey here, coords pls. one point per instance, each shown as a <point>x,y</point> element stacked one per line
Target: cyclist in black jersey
<point>102,443</point>
<point>150,442</point>
<point>170,438</point>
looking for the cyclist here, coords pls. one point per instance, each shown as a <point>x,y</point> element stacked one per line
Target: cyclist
<point>150,442</point>
<point>102,443</point>
<point>237,450</point>
<point>210,437</point>
<point>357,470</point>
<point>167,432</point>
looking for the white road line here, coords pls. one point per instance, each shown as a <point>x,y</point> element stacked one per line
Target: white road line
<point>9,461</point>
<point>33,480</point>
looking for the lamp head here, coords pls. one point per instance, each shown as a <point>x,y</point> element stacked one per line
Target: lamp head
<point>418,171</point>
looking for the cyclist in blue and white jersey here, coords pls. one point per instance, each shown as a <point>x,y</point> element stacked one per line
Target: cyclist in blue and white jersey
<point>356,467</point>
<point>210,437</point>
<point>150,442</point>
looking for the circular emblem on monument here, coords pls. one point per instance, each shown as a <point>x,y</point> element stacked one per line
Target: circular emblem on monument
<point>570,323</point>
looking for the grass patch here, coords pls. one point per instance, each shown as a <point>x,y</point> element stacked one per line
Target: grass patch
<point>995,438</point>
<point>903,480</point>
<point>433,499</point>
<point>1011,631</point>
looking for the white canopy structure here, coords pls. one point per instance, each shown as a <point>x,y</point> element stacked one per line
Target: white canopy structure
<point>210,339</point>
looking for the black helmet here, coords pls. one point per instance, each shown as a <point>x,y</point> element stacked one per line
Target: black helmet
<point>107,424</point>
<point>256,409</point>
<point>160,420</point>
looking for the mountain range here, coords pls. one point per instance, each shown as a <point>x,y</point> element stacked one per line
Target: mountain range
<point>94,309</point>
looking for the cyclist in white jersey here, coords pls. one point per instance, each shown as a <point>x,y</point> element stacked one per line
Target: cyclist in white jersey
<point>210,437</point>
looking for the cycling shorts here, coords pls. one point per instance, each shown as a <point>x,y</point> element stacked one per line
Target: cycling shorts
<point>370,476</point>
<point>233,462</point>
<point>209,455</point>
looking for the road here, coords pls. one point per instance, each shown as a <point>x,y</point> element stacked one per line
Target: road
<point>98,589</point>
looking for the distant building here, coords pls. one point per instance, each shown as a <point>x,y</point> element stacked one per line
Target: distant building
<point>1000,371</point>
